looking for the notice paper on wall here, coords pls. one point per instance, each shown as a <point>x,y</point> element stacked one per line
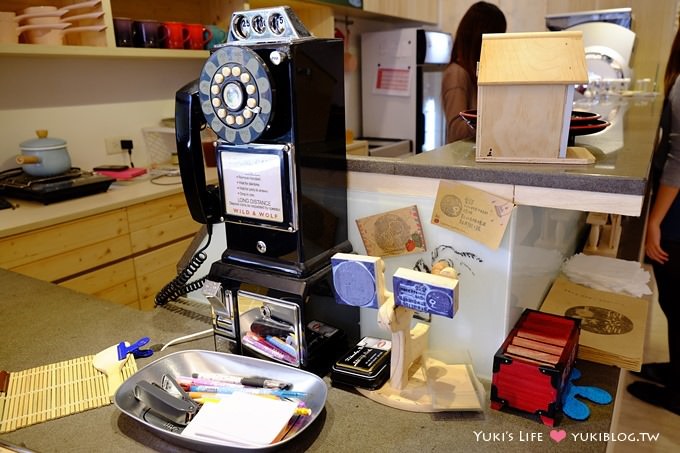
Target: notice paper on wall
<point>474,213</point>
<point>394,81</point>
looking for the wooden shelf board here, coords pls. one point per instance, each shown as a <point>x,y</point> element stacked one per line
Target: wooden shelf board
<point>33,50</point>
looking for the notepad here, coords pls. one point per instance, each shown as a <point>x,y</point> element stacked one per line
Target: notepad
<point>124,175</point>
<point>241,418</point>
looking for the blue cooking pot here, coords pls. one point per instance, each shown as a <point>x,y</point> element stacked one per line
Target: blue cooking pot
<point>44,156</point>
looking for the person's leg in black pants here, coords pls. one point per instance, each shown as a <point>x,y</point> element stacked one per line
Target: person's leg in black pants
<point>668,375</point>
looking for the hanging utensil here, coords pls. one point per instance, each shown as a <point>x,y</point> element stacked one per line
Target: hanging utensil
<point>349,60</point>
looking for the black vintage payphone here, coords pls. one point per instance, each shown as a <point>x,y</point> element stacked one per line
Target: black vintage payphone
<point>274,96</point>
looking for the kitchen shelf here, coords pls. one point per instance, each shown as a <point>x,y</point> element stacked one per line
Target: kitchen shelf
<point>317,15</point>
<point>37,50</point>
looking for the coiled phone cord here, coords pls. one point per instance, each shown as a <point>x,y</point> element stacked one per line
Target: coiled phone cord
<point>180,285</point>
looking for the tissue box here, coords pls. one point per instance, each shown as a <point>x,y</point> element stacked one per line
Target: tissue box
<point>531,368</point>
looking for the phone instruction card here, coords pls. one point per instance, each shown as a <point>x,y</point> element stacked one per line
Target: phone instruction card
<point>472,212</point>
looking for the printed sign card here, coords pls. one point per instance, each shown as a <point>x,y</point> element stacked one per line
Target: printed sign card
<point>474,213</point>
<point>392,233</point>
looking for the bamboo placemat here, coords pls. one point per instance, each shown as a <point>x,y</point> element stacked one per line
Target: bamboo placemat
<point>53,391</point>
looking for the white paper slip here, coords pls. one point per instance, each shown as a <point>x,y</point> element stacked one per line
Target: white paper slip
<point>241,418</point>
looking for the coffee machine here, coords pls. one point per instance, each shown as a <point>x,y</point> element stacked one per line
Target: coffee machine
<point>274,96</point>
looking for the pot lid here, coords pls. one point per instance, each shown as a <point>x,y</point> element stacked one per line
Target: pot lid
<point>42,143</point>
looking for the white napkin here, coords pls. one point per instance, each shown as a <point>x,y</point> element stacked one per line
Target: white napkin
<point>608,274</point>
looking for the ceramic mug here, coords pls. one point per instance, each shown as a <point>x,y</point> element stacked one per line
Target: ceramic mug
<point>145,33</point>
<point>199,36</point>
<point>122,28</point>
<point>219,36</point>
<point>173,35</point>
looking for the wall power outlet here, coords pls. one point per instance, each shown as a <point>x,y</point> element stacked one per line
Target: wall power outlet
<point>113,144</point>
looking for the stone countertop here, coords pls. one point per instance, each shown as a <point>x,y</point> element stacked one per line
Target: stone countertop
<point>622,152</point>
<point>43,323</point>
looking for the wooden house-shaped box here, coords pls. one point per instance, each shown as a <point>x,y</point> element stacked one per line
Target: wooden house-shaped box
<point>525,92</point>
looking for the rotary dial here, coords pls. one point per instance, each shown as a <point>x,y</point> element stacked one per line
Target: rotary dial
<point>236,94</point>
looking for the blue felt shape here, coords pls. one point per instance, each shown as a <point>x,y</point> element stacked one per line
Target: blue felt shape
<point>575,408</point>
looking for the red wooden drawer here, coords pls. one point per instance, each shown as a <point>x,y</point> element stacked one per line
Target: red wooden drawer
<point>533,364</point>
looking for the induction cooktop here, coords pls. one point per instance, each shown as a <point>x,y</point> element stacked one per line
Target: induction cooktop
<point>73,183</point>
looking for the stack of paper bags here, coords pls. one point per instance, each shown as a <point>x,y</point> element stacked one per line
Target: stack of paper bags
<point>613,325</point>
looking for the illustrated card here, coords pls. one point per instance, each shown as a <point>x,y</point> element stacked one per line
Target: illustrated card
<point>474,213</point>
<point>392,233</point>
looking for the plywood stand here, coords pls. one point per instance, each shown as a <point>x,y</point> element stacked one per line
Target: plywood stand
<point>605,234</point>
<point>418,383</point>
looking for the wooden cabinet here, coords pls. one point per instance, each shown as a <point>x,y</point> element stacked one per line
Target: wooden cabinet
<point>154,269</point>
<point>124,255</point>
<point>160,232</point>
<point>421,11</point>
<point>54,253</point>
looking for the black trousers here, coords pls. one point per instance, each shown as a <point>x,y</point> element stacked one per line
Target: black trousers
<point>668,281</point>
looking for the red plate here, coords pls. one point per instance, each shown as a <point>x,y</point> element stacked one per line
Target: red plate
<point>588,128</point>
<point>583,117</point>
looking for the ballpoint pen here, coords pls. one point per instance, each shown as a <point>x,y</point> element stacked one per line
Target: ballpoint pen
<point>253,391</point>
<point>254,381</point>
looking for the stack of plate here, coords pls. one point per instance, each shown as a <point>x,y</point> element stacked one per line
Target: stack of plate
<point>50,25</point>
<point>582,123</point>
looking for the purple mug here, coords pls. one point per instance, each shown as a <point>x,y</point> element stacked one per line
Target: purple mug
<point>145,33</point>
<point>122,27</point>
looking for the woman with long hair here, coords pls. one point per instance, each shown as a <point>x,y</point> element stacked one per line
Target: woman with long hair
<point>662,244</point>
<point>459,84</point>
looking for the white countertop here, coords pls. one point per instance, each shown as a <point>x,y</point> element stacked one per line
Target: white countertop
<point>30,215</point>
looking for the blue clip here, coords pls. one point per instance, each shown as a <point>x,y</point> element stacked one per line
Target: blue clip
<point>124,349</point>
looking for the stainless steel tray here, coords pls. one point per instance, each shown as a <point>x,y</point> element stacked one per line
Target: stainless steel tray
<point>183,363</point>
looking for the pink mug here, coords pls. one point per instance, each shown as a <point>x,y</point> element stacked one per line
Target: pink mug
<point>173,35</point>
<point>199,36</point>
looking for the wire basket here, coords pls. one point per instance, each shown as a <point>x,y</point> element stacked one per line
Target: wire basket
<point>160,144</point>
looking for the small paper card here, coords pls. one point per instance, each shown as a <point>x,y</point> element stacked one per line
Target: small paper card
<point>358,280</point>
<point>474,213</point>
<point>392,233</point>
<point>241,419</point>
<point>425,292</point>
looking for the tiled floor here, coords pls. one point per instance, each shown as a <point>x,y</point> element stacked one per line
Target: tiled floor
<point>633,416</point>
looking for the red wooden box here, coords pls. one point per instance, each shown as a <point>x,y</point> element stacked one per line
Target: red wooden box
<point>532,365</point>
